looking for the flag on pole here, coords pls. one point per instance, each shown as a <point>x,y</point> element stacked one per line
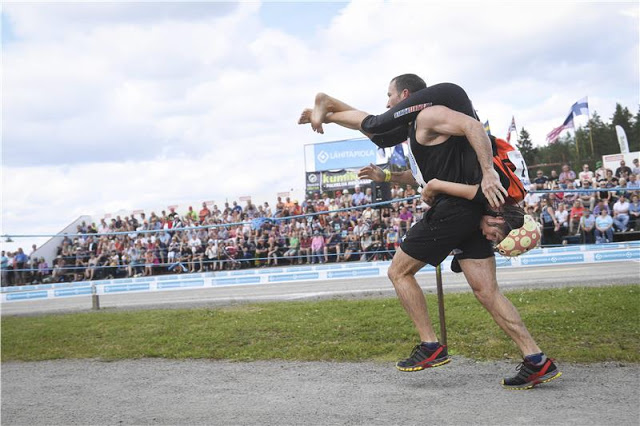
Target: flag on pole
<point>555,133</point>
<point>487,128</point>
<point>581,107</point>
<point>397,156</point>
<point>512,128</point>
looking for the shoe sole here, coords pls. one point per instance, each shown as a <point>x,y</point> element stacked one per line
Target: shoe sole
<point>530,385</point>
<point>436,363</point>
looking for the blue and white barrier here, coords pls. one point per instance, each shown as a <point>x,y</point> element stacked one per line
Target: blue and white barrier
<point>578,254</point>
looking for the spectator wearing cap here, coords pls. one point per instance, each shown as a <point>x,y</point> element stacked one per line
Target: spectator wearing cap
<point>345,199</point>
<point>296,210</point>
<point>601,172</point>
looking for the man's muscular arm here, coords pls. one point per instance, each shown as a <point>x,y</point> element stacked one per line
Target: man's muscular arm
<point>376,174</point>
<point>440,120</point>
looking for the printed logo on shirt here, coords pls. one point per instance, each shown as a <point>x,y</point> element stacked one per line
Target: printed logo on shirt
<point>411,109</point>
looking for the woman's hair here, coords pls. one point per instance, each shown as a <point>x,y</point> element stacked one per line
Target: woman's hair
<point>513,216</point>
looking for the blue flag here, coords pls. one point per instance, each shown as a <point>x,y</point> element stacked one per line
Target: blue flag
<point>397,156</point>
<point>581,107</point>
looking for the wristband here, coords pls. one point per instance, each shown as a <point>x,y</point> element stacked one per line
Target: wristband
<point>387,176</point>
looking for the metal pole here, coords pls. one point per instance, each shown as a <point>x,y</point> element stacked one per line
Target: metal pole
<point>95,299</point>
<point>443,327</point>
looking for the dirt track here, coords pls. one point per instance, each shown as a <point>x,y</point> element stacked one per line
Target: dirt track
<point>156,391</point>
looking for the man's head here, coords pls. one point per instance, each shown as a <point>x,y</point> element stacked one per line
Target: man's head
<point>402,86</point>
<point>622,163</point>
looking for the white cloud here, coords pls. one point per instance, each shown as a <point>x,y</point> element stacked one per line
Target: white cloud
<point>109,106</point>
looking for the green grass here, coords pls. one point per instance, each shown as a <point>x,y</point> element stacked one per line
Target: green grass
<point>572,324</point>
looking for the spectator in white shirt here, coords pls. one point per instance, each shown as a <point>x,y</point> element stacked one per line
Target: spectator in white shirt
<point>621,213</point>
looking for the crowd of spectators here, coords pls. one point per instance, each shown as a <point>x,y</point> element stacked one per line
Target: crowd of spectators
<point>249,236</point>
<point>606,203</point>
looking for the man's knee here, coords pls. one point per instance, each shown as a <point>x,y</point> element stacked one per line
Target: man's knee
<point>403,265</point>
<point>481,276</point>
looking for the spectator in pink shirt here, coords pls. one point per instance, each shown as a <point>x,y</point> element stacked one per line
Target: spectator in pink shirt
<point>317,248</point>
<point>406,218</point>
<point>567,175</point>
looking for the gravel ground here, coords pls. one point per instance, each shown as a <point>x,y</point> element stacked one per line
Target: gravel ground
<point>158,391</point>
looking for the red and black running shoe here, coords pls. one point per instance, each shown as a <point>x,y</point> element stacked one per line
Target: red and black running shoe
<point>422,358</point>
<point>530,375</point>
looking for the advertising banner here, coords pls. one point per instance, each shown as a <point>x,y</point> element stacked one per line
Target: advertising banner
<point>342,155</point>
<point>313,181</point>
<point>334,180</point>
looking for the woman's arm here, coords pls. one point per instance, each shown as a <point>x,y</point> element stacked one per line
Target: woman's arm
<point>460,190</point>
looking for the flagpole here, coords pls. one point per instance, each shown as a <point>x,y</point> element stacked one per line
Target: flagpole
<point>590,135</point>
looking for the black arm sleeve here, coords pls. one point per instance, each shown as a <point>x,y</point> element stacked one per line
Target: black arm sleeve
<point>406,111</point>
<point>401,114</point>
<point>392,137</point>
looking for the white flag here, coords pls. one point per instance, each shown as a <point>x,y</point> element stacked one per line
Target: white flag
<point>622,140</point>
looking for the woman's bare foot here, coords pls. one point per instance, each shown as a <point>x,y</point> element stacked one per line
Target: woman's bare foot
<point>305,116</point>
<point>319,113</point>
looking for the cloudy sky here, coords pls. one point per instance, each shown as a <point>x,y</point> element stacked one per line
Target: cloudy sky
<point>123,106</point>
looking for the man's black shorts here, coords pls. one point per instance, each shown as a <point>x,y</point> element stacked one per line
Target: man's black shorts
<point>453,223</point>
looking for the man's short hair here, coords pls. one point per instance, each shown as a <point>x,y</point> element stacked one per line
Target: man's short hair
<point>411,82</point>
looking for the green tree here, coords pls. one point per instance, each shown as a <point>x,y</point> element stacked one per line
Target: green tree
<point>604,137</point>
<point>525,146</point>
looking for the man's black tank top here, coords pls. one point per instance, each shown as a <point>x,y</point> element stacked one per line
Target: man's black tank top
<point>453,160</point>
